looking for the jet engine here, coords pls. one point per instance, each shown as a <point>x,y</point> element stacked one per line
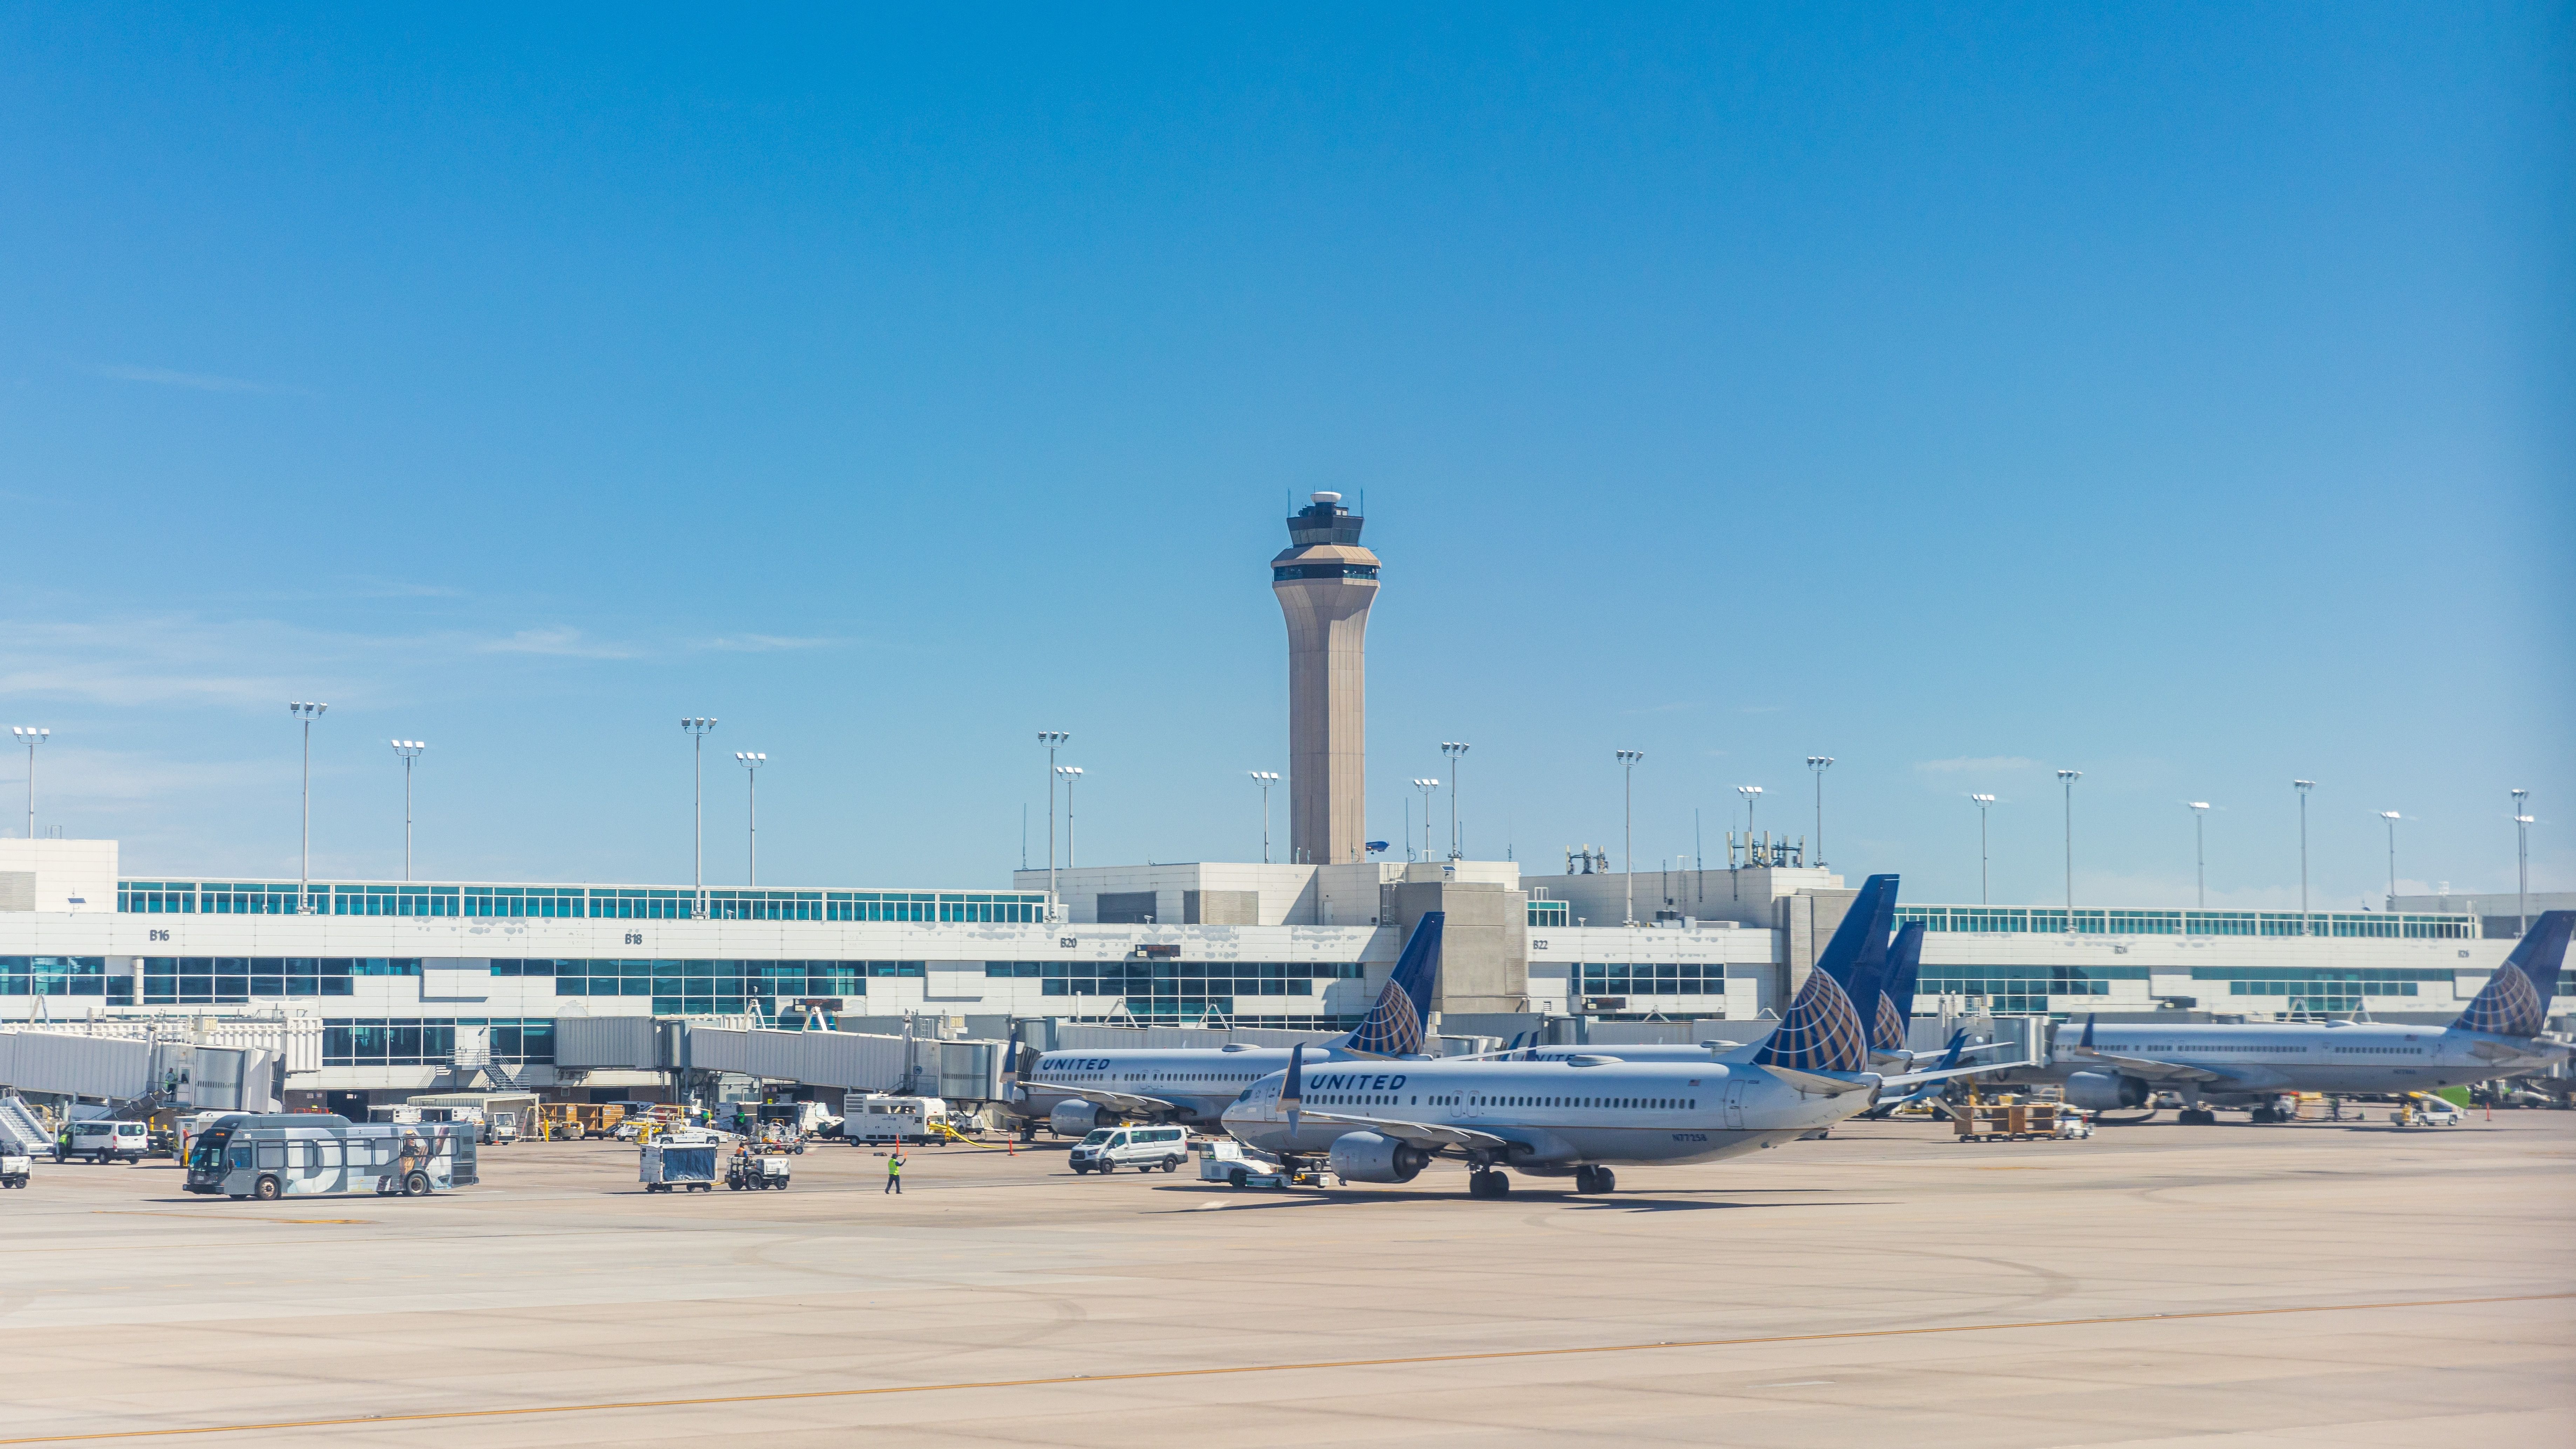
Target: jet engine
<point>2105,1091</point>
<point>1076,1117</point>
<point>1372,1157</point>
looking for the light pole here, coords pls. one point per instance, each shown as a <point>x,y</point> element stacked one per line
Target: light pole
<point>1752,795</point>
<point>2068,779</point>
<point>408,750</point>
<point>1982,802</point>
<point>697,727</point>
<point>1072,776</point>
<point>1820,764</point>
<point>2303,787</point>
<point>1457,752</point>
<point>1426,786</point>
<point>2391,817</point>
<point>1265,779</point>
<point>751,764</point>
<point>308,712</point>
<point>34,735</point>
<point>1051,741</point>
<point>2199,851</point>
<point>2521,856</point>
<point>1628,842</point>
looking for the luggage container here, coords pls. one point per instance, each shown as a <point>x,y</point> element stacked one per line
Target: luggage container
<point>691,1167</point>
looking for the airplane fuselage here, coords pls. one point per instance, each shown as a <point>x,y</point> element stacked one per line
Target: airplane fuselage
<point>1199,1082</point>
<point>1553,1115</point>
<point>2263,1059</point>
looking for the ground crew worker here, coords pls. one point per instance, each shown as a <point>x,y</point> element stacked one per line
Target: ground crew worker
<point>894,1172</point>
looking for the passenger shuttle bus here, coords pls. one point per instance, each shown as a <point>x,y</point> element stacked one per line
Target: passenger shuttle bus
<point>302,1153</point>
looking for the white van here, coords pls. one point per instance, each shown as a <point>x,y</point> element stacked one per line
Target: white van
<point>1108,1149</point>
<point>101,1140</point>
<point>866,1118</point>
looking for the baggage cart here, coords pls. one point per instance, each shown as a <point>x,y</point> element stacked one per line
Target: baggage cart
<point>664,1166</point>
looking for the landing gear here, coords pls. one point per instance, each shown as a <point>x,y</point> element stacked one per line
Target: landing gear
<point>1595,1179</point>
<point>1485,1182</point>
<point>2198,1117</point>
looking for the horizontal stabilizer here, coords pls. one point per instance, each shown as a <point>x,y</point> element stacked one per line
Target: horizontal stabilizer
<point>1816,1084</point>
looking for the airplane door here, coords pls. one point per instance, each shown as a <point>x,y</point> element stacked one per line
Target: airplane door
<point>1734,1104</point>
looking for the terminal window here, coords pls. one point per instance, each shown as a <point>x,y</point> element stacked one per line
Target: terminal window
<point>431,1041</point>
<point>1654,978</point>
<point>53,976</point>
<point>213,980</point>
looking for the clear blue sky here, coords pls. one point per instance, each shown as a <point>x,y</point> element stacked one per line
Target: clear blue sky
<point>2178,394</point>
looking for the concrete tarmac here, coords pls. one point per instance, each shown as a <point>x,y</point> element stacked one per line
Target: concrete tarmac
<point>2230,1286</point>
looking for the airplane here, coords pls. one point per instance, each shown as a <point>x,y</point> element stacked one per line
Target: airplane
<point>1949,1058</point>
<point>1578,1115</point>
<point>2251,1065</point>
<point>1076,1091</point>
<point>1864,927</point>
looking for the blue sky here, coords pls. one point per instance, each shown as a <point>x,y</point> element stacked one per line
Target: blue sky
<point>2173,394</point>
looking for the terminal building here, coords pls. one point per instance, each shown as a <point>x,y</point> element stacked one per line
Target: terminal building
<point>382,989</point>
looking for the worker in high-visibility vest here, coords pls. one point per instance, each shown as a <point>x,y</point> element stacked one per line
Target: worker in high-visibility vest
<point>894,1171</point>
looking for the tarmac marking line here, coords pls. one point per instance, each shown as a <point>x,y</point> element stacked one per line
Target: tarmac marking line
<point>219,1217</point>
<point>606,1406</point>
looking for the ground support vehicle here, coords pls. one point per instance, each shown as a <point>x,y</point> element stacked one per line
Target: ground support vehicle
<point>1106,1149</point>
<point>104,1140</point>
<point>755,1171</point>
<point>868,1119</point>
<point>690,1167</point>
<point>272,1155</point>
<point>16,1167</point>
<point>2422,1109</point>
<point>1988,1120</point>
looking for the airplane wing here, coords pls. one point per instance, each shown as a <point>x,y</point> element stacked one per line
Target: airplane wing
<point>1818,1085</point>
<point>1114,1101</point>
<point>2154,1071</point>
<point>1417,1134</point>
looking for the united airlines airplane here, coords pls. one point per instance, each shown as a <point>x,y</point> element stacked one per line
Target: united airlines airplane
<point>1075,1091</point>
<point>2252,1065</point>
<point>1577,1115</point>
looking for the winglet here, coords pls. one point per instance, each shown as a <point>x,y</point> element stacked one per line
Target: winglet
<point>1292,1093</point>
<point>1396,1026</point>
<point>2516,999</point>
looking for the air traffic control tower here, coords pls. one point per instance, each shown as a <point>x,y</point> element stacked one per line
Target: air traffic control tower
<point>1325,582</point>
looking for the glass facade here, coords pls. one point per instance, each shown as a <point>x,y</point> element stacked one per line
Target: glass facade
<point>1653,978</point>
<point>212,980</point>
<point>404,1041</point>
<point>2323,989</point>
<point>700,987</point>
<point>601,903</point>
<point>2042,920</point>
<point>2021,988</point>
<point>54,976</point>
<point>1183,990</point>
<point>1551,913</point>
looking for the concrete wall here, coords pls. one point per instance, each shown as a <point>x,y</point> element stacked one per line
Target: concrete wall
<point>1484,944</point>
<point>1749,897</point>
<point>58,875</point>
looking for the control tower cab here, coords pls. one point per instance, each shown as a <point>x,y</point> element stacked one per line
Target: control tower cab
<point>1325,582</point>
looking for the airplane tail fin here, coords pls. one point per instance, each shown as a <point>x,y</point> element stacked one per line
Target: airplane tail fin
<point>1396,1026</point>
<point>2516,999</point>
<point>1820,1032</point>
<point>1863,932</point>
<point>1896,1001</point>
<point>1823,1030</point>
<point>1292,1093</point>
